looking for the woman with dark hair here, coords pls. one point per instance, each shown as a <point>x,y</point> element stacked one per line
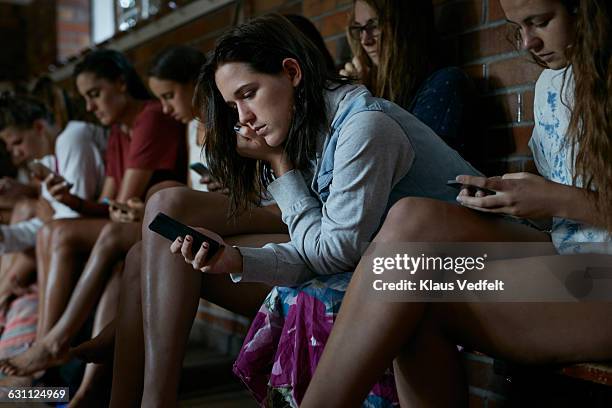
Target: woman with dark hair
<point>277,120</point>
<point>145,147</point>
<point>397,57</point>
<point>572,147</point>
<point>172,78</point>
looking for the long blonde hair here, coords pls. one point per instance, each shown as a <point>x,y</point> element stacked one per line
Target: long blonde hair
<point>407,48</point>
<point>590,128</point>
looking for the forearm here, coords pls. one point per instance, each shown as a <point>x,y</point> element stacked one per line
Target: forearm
<point>576,204</point>
<point>86,207</point>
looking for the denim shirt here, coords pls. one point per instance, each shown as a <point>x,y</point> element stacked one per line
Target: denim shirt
<point>424,179</point>
<point>374,154</point>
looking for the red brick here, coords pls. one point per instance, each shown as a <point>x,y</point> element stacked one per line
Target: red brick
<point>495,11</point>
<point>333,24</point>
<point>527,106</point>
<point>459,16</point>
<point>72,27</point>
<point>484,43</point>
<point>515,71</point>
<point>265,6</point>
<point>313,8</point>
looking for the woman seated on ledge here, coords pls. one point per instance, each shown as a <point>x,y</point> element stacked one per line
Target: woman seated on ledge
<point>332,156</point>
<point>572,150</point>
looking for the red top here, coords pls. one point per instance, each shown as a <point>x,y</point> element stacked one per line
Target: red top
<point>157,143</point>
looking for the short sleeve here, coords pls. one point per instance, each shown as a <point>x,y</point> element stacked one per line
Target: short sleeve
<point>157,140</point>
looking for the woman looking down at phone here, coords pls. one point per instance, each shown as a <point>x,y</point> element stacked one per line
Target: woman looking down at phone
<point>74,156</point>
<point>571,144</point>
<point>172,78</point>
<point>277,120</point>
<point>145,147</point>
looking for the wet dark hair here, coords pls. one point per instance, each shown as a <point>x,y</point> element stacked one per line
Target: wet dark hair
<point>179,63</point>
<point>263,44</point>
<point>21,112</point>
<point>113,65</point>
<point>310,31</point>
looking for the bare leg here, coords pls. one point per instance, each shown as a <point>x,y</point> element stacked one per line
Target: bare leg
<point>383,329</point>
<point>112,245</point>
<point>95,387</point>
<point>99,349</point>
<point>128,363</point>
<point>70,241</point>
<point>166,277</point>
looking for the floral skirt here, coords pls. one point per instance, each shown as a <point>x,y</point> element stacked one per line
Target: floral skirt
<point>286,340</point>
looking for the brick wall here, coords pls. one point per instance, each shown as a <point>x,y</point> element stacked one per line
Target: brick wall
<point>27,39</point>
<point>477,39</point>
<point>73,27</point>
<point>13,58</point>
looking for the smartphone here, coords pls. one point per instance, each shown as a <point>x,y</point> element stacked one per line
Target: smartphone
<point>200,168</point>
<point>170,228</point>
<point>39,170</point>
<point>458,185</point>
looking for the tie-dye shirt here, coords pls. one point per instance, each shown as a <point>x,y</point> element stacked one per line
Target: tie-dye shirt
<point>553,157</point>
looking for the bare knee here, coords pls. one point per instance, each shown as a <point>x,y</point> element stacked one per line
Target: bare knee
<point>161,186</point>
<point>109,237</point>
<point>168,200</point>
<point>413,219</point>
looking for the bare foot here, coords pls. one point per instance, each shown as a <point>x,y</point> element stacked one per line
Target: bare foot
<point>37,358</point>
<point>98,350</point>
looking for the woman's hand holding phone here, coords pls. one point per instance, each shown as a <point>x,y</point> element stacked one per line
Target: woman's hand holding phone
<point>227,260</point>
<point>523,195</point>
<point>131,211</point>
<point>59,189</point>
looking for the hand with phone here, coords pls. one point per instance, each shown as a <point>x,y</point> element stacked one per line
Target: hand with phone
<point>203,249</point>
<point>523,195</point>
<point>131,211</point>
<point>205,178</point>
<point>59,189</point>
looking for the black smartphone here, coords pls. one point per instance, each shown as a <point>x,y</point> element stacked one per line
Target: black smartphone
<point>200,168</point>
<point>458,185</point>
<point>170,228</point>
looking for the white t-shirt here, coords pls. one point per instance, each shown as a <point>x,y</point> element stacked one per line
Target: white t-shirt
<point>553,157</point>
<point>196,155</point>
<point>79,158</point>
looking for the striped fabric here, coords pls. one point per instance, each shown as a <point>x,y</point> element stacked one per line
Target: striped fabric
<point>18,323</point>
